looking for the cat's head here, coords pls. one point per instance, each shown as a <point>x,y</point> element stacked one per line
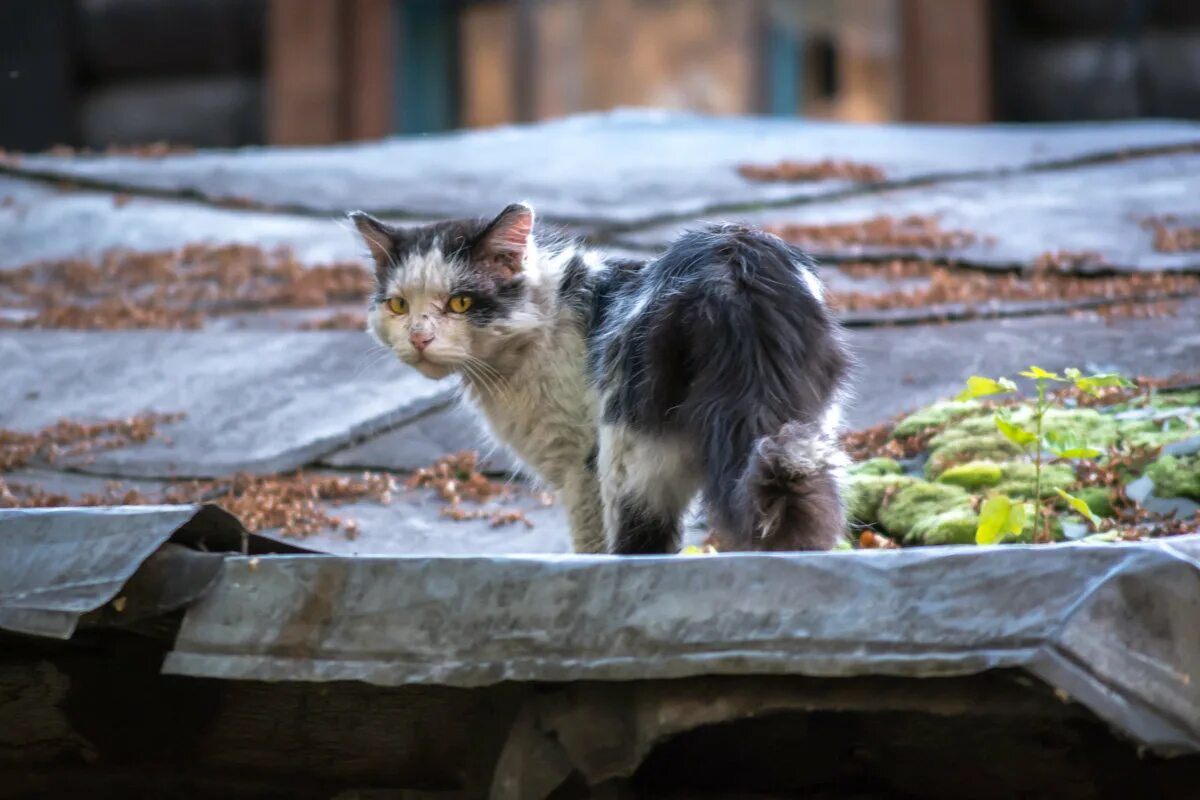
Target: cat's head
<point>451,294</point>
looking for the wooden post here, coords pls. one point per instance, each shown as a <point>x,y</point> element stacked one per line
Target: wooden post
<point>329,70</point>
<point>367,69</point>
<point>946,61</point>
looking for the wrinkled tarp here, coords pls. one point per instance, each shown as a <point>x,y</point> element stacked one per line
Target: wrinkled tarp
<point>59,564</point>
<point>1113,626</point>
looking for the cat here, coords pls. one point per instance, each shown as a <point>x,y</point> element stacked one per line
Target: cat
<point>630,387</point>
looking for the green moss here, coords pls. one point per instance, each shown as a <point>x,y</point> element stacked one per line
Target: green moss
<point>864,493</point>
<point>1085,426</point>
<point>1019,480</point>
<point>920,501</point>
<point>1174,476</point>
<point>990,447</point>
<point>1082,425</point>
<point>973,475</point>
<point>935,416</point>
<point>877,466</point>
<point>1148,433</point>
<point>1190,397</point>
<point>1097,498</point>
<point>956,526</point>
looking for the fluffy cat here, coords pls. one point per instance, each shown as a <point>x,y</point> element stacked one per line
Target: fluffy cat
<point>630,387</point>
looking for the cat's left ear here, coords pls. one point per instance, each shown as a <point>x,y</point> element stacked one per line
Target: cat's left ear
<point>505,242</point>
<point>379,236</point>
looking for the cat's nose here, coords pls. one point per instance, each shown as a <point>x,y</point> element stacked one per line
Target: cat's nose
<point>420,340</point>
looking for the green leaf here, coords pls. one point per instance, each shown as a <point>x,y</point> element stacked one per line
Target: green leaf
<point>1041,374</point>
<point>1078,452</point>
<point>979,386</point>
<point>1015,433</point>
<point>1092,384</point>
<point>1067,447</point>
<point>999,516</point>
<point>1081,506</point>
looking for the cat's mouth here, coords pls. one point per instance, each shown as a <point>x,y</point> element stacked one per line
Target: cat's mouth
<point>430,368</point>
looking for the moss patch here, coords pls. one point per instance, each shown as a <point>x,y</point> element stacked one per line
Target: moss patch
<point>877,466</point>
<point>935,416</point>
<point>989,447</point>
<point>973,475</point>
<point>1176,477</point>
<point>865,493</point>
<point>956,526</point>
<point>1097,498</point>
<point>1019,480</point>
<point>918,502</point>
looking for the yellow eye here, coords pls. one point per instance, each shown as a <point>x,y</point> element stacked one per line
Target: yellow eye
<point>460,303</point>
<point>397,305</point>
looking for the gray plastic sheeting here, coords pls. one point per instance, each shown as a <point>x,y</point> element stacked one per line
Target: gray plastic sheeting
<point>1116,627</point>
<point>58,564</point>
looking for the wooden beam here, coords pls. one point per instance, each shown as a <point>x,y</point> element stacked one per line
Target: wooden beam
<point>368,69</point>
<point>304,64</point>
<point>946,61</point>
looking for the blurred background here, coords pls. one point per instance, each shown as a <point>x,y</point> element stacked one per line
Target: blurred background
<point>225,73</point>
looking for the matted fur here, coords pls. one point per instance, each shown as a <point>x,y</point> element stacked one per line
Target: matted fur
<point>631,386</point>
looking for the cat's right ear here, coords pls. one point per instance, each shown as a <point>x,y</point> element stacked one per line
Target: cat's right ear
<point>379,237</point>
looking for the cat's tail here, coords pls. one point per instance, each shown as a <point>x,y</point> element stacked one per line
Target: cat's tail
<point>763,402</point>
<point>789,497</point>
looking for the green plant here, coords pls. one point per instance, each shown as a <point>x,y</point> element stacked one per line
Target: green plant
<point>1000,515</point>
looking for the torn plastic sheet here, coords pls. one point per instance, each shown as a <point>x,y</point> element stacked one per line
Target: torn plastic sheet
<point>1113,626</point>
<point>58,565</point>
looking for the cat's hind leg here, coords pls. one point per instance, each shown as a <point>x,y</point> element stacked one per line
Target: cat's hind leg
<point>646,483</point>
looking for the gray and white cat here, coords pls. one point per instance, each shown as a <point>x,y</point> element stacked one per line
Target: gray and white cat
<point>629,387</point>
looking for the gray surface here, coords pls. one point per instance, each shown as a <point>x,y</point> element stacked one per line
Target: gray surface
<point>58,564</point>
<point>1112,626</point>
<point>900,369</point>
<point>619,167</point>
<point>411,525</point>
<point>257,401</point>
<point>1089,208</point>
<point>44,223</point>
<point>421,441</point>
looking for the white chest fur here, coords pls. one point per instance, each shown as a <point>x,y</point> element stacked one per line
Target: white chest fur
<point>546,411</point>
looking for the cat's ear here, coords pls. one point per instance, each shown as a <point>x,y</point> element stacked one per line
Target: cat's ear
<point>379,237</point>
<point>504,243</point>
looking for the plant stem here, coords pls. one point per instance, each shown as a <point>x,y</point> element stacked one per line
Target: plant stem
<point>1039,411</point>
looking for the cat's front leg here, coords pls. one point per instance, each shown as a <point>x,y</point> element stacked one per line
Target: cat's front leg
<point>581,496</point>
<point>646,482</point>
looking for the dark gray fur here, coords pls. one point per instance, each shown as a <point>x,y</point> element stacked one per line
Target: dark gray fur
<point>732,351</point>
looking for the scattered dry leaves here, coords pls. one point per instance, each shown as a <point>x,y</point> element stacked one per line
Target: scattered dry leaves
<point>1142,293</point>
<point>172,288</point>
<point>68,438</point>
<point>457,477</point>
<point>826,169</point>
<point>1172,237</point>
<point>870,540</point>
<point>884,231</point>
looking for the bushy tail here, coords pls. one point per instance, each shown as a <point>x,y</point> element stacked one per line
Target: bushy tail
<point>773,368</point>
<point>789,493</point>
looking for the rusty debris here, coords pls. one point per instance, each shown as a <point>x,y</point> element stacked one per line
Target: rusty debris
<point>914,231</point>
<point>1067,260</point>
<point>457,477</point>
<point>290,503</point>
<point>1170,236</point>
<point>823,170</point>
<point>172,288</point>
<point>68,438</point>
<point>1128,293</point>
